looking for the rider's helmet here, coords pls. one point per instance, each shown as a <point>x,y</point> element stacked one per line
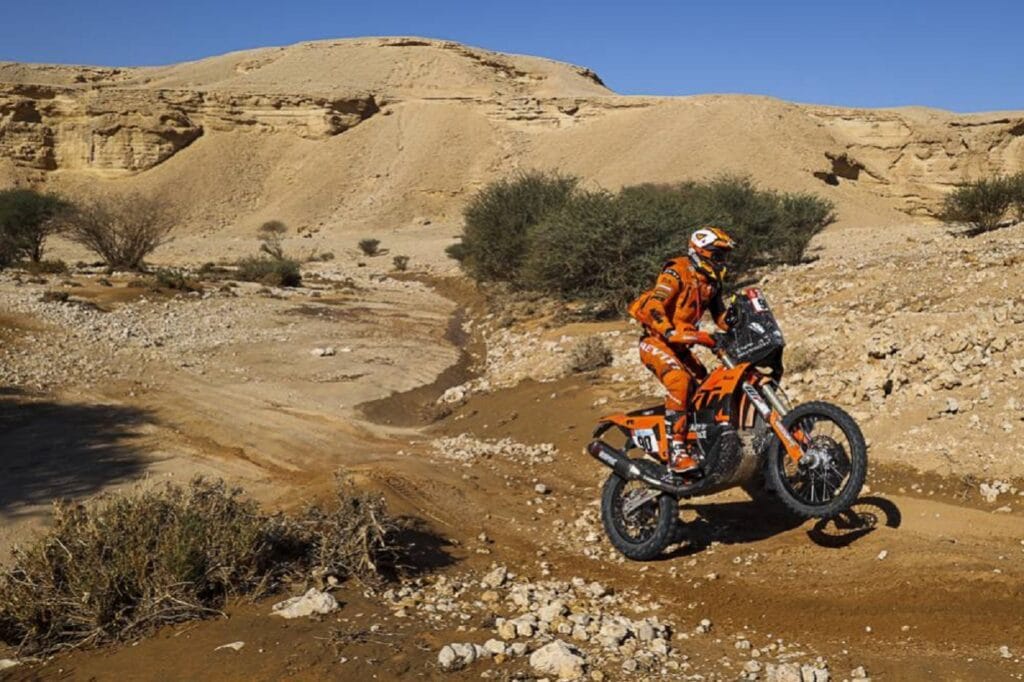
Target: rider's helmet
<point>709,247</point>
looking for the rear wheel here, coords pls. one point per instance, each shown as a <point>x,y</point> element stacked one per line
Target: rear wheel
<point>639,522</point>
<point>827,479</point>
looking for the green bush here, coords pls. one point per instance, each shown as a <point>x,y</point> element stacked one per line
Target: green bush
<point>1016,184</point>
<point>118,566</point>
<point>369,247</point>
<point>278,272</point>
<point>606,248</point>
<point>27,218</point>
<point>499,218</point>
<point>981,204</point>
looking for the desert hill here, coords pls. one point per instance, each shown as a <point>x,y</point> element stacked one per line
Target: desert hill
<point>349,137</point>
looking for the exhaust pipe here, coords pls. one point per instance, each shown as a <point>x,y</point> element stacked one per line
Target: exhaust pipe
<point>627,469</point>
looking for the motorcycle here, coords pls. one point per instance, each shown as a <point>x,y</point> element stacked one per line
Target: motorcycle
<point>811,458</point>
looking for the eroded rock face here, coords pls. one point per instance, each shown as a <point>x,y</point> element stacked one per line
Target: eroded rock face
<point>914,157</point>
<point>122,129</point>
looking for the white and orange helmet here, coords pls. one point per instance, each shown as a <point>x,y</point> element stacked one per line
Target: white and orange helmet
<point>709,247</point>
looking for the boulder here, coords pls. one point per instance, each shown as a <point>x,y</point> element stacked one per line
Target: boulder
<point>559,659</point>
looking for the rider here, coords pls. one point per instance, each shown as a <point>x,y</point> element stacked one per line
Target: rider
<point>686,287</point>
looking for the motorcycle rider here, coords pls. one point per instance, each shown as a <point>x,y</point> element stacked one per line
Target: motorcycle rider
<point>686,288</point>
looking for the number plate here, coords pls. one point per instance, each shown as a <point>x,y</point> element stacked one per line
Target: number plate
<point>647,440</point>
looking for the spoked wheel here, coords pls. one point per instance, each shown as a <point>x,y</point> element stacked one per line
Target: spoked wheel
<point>828,477</point>
<point>640,522</point>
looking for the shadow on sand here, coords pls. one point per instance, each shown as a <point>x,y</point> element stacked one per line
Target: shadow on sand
<point>52,450</point>
<point>733,523</point>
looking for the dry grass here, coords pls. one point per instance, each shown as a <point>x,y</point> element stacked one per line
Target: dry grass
<point>589,354</point>
<point>122,564</point>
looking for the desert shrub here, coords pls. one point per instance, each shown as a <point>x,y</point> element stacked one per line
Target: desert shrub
<point>589,354</point>
<point>47,266</point>
<point>1016,185</point>
<point>121,230</point>
<point>167,278</point>
<point>401,263</point>
<point>369,247</point>
<point>54,297</point>
<point>115,567</point>
<point>27,218</point>
<point>500,216</point>
<point>981,204</point>
<point>278,272</point>
<point>606,248</point>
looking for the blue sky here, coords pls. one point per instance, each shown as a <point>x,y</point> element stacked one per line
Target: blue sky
<point>964,56</point>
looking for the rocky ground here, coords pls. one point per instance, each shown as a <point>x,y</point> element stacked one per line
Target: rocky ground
<point>515,578</point>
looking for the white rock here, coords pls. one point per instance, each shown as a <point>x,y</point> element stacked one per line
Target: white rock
<point>313,602</point>
<point>495,646</point>
<point>518,648</point>
<point>559,659</point>
<point>884,553</point>
<point>234,646</point>
<point>859,673</point>
<point>540,489</point>
<point>496,577</point>
<point>466,652</point>
<point>1004,651</point>
<point>644,631</point>
<point>507,630</point>
<point>551,611</point>
<point>611,634</point>
<point>783,672</point>
<point>323,352</point>
<point>6,663</point>
<point>447,659</point>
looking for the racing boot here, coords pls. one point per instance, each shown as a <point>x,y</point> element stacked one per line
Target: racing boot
<point>681,459</point>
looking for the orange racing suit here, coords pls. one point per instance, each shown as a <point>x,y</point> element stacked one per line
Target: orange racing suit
<point>670,313</point>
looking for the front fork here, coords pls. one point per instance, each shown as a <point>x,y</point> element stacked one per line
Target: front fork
<point>772,405</point>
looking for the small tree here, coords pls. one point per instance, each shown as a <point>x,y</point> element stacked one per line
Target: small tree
<point>121,230</point>
<point>270,234</point>
<point>27,218</point>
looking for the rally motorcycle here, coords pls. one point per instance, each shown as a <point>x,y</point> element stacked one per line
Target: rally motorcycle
<point>811,458</point>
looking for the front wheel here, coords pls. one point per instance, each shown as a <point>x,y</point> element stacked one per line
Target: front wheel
<point>827,479</point>
<point>639,522</point>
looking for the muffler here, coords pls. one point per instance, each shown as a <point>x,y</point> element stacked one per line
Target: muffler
<point>627,469</point>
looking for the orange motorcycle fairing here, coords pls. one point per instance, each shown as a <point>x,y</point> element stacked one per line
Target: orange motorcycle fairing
<point>718,393</point>
<point>646,427</point>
